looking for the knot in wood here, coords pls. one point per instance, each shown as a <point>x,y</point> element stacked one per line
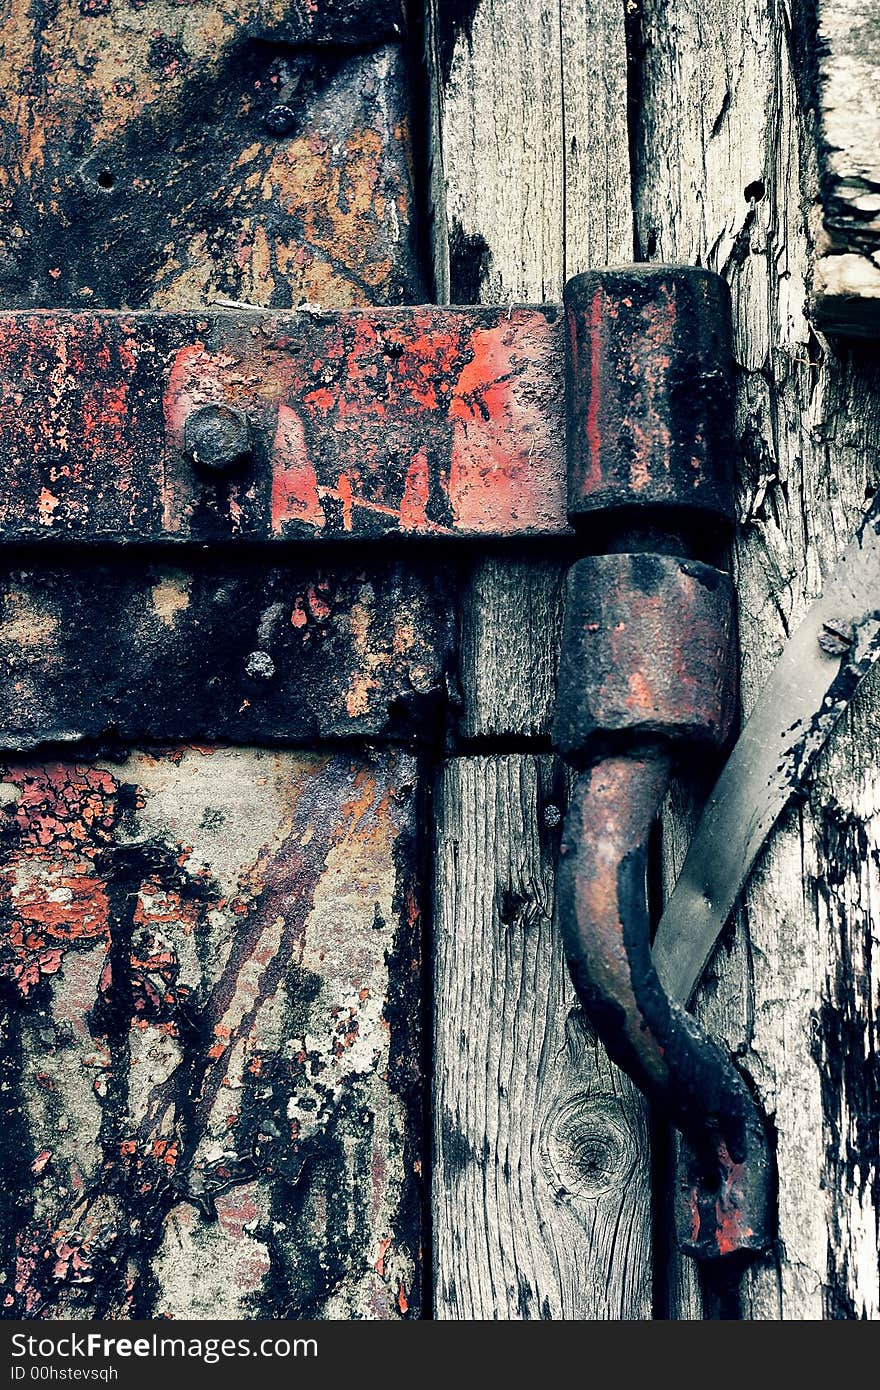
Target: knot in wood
<point>589,1148</point>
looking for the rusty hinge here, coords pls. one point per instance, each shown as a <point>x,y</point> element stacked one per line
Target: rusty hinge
<point>254,426</point>
<point>451,424</point>
<point>647,678</point>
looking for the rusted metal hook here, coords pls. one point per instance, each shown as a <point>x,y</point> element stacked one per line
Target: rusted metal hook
<point>722,1206</point>
<point>647,675</point>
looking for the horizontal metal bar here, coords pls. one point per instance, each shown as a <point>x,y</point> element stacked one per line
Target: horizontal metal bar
<point>135,649</point>
<point>277,427</point>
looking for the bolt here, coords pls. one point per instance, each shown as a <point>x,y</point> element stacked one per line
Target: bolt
<point>552,816</point>
<point>280,120</point>
<point>217,438</point>
<point>260,666</point>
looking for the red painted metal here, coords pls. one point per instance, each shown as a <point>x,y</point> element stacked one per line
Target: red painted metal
<point>649,392</point>
<point>424,422</point>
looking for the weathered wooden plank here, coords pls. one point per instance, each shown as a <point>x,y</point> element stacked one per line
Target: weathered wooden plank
<point>541,1153</point>
<point>212,955</point>
<point>511,624</point>
<point>722,158</point>
<point>531,184</point>
<point>533,167</point>
<point>846,284</point>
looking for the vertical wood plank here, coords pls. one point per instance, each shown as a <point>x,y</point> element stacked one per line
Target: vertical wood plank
<point>726,177</point>
<point>531,184</point>
<point>542,1171</point>
<point>532,169</point>
<point>511,627</point>
<point>540,1207</point>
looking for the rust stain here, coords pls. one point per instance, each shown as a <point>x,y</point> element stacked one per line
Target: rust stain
<point>205,947</point>
<point>144,132</point>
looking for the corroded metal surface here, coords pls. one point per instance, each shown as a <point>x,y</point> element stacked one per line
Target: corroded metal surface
<point>723,1204</point>
<point>212,964</point>
<point>650,393</point>
<point>648,650</point>
<point>419,421</point>
<point>647,677</point>
<point>143,165</point>
<point>648,668</point>
<point>124,650</point>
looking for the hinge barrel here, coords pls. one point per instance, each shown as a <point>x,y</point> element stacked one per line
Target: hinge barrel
<point>647,678</point>
<point>649,394</point>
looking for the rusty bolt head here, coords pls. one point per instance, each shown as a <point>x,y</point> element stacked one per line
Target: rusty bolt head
<point>217,438</point>
<point>280,120</point>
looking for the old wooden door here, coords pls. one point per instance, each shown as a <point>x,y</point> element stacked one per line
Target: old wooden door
<point>213,791</point>
<point>677,131</point>
<point>248,791</point>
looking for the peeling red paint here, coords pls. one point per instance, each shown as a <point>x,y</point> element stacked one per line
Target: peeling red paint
<point>51,895</point>
<point>417,421</point>
<point>230,1083</point>
<point>380,1262</point>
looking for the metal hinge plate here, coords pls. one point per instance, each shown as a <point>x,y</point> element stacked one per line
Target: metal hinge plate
<point>238,426</point>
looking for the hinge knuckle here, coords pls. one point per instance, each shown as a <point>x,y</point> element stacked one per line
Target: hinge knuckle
<point>647,676</point>
<point>647,652</point>
<point>649,392</point>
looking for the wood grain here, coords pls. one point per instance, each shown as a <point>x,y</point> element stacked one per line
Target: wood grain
<point>510,633</point>
<point>541,1152</point>
<point>530,178</point>
<point>726,176</point>
<point>541,1176</point>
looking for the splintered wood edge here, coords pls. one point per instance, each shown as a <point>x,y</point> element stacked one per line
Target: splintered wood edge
<point>846,295</point>
<point>846,285</point>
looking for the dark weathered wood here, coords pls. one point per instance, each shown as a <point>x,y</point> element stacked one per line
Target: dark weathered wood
<point>846,63</point>
<point>510,629</point>
<point>541,1180</point>
<point>541,1153</point>
<point>724,159</point>
<point>146,164</point>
